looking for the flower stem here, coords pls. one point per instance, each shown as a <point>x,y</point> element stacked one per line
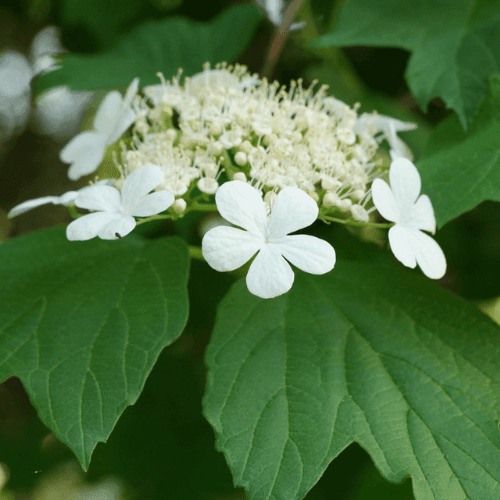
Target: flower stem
<point>195,253</point>
<point>349,222</point>
<point>153,217</point>
<point>278,42</point>
<point>202,207</point>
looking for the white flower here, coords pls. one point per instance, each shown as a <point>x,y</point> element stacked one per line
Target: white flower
<point>59,112</point>
<point>399,204</point>
<point>270,275</point>
<point>15,92</point>
<point>275,11</point>
<point>116,211</point>
<point>389,128</point>
<point>66,199</point>
<point>86,150</point>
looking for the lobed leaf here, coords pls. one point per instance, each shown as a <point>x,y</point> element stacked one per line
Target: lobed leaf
<point>462,169</point>
<point>454,44</point>
<point>82,324</point>
<point>369,354</point>
<point>165,45</point>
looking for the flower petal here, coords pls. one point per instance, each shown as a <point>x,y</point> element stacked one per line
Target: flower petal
<point>104,198</point>
<point>108,113</point>
<point>401,245</point>
<point>117,228</point>
<point>228,248</point>
<point>308,253</point>
<point>242,205</point>
<point>411,246</point>
<point>421,215</point>
<point>138,184</point>
<point>405,183</point>
<point>292,210</point>
<point>88,226</point>
<point>37,202</point>
<point>85,152</point>
<point>429,255</point>
<point>153,204</point>
<point>270,274</point>
<point>384,201</point>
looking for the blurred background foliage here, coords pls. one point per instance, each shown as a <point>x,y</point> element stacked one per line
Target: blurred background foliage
<point>162,447</point>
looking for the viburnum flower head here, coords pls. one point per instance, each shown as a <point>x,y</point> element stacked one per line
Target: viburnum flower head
<point>87,149</point>
<point>115,210</point>
<point>401,203</point>
<point>228,248</point>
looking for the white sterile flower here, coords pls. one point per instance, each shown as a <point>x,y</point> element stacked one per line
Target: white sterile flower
<point>401,204</point>
<point>66,199</point>
<point>275,11</point>
<point>270,275</point>
<point>115,211</point>
<point>15,92</point>
<point>389,128</point>
<point>86,150</point>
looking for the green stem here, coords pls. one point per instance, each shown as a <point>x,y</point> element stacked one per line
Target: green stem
<point>195,253</point>
<point>202,207</point>
<point>349,222</point>
<point>153,217</point>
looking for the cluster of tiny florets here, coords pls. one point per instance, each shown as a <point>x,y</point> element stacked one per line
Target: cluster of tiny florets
<point>227,120</point>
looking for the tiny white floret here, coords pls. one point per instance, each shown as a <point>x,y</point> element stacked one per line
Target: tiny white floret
<point>115,210</point>
<point>401,203</point>
<point>86,150</point>
<point>228,248</point>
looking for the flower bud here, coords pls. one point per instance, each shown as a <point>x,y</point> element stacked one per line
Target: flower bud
<point>344,204</point>
<point>239,176</point>
<point>246,147</point>
<point>171,134</point>
<point>208,185</point>
<point>359,213</point>
<point>240,158</point>
<point>330,200</point>
<point>216,128</point>
<point>330,183</point>
<point>179,205</point>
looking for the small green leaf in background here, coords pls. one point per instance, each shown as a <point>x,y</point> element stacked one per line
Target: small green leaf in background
<point>454,43</point>
<point>104,19</point>
<point>368,353</point>
<point>82,324</point>
<point>461,169</point>
<point>166,46</point>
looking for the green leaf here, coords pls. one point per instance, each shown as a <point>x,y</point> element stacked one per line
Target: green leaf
<point>104,20</point>
<point>368,353</point>
<point>165,46</point>
<point>454,44</point>
<point>461,169</point>
<point>82,324</point>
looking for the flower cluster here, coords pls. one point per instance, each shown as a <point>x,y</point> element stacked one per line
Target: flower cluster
<point>275,158</point>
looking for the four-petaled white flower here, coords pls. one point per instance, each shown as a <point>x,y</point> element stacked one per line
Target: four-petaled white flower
<point>116,211</point>
<point>86,150</point>
<point>228,248</point>
<point>401,204</point>
<point>66,199</point>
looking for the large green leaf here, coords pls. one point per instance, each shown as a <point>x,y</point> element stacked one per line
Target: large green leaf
<point>454,44</point>
<point>368,353</point>
<point>82,324</point>
<point>461,169</point>
<point>166,46</point>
